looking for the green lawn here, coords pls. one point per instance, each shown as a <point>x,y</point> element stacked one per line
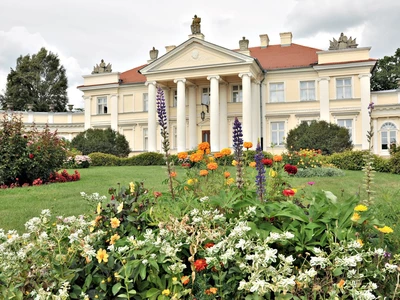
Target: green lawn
<point>20,204</point>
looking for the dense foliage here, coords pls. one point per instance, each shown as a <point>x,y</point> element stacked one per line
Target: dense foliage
<point>386,73</point>
<point>26,156</point>
<point>39,80</point>
<point>144,159</point>
<point>98,140</point>
<point>328,137</point>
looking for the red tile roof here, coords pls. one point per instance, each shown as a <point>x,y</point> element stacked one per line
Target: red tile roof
<point>278,57</point>
<point>133,75</point>
<point>348,62</point>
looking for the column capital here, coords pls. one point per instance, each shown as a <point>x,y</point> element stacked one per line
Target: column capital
<point>364,75</point>
<point>217,77</point>
<point>147,83</point>
<point>180,79</point>
<point>245,74</point>
<point>114,95</point>
<point>324,78</point>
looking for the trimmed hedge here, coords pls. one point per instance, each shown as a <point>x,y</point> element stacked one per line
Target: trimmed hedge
<point>319,172</point>
<point>395,163</point>
<point>144,159</point>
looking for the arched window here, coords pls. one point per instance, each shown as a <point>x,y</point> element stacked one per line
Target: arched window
<point>388,135</point>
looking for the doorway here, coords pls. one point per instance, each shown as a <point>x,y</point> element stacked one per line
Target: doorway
<point>205,136</point>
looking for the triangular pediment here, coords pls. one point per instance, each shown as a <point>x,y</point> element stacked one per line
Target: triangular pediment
<point>196,53</point>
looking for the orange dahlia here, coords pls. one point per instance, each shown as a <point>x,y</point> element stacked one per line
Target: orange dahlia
<point>278,158</point>
<point>212,166</point>
<point>182,155</point>
<point>247,145</point>
<point>203,172</point>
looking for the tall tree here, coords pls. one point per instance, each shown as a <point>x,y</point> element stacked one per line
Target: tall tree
<point>387,73</point>
<point>39,80</point>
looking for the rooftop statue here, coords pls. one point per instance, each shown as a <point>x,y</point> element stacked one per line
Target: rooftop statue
<point>102,68</point>
<point>342,43</point>
<point>195,27</point>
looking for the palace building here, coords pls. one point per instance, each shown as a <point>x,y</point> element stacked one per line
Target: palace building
<point>270,88</point>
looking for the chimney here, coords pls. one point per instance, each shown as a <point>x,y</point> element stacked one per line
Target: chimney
<point>286,39</point>
<point>169,48</point>
<point>244,46</point>
<point>264,39</point>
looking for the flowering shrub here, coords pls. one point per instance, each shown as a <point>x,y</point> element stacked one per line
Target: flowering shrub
<point>78,162</point>
<point>63,176</point>
<point>27,156</point>
<point>304,158</point>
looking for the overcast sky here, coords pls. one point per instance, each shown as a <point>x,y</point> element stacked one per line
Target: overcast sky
<point>82,32</point>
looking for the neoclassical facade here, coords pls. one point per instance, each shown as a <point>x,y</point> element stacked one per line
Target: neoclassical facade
<point>270,88</point>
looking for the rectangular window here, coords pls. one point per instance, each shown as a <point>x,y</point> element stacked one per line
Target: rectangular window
<point>101,105</point>
<point>387,138</point>
<point>343,88</point>
<point>237,93</point>
<point>175,99</point>
<point>307,90</point>
<point>145,139</point>
<point>205,96</point>
<point>348,124</point>
<point>277,133</point>
<point>145,102</point>
<point>276,92</point>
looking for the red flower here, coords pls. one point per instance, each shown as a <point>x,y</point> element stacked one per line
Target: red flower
<point>200,264</point>
<point>288,193</point>
<point>291,170</point>
<point>267,162</point>
<point>209,245</point>
<point>31,155</point>
<point>156,194</point>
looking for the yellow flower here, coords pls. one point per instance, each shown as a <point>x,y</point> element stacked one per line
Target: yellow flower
<point>166,292</point>
<point>226,151</point>
<point>230,180</point>
<point>234,162</point>
<point>120,207</point>
<point>360,242</point>
<point>211,159</point>
<point>99,208</point>
<point>114,238</point>
<point>102,256</point>
<point>341,283</point>
<point>355,217</point>
<point>252,164</point>
<point>360,208</point>
<point>132,187</point>
<point>272,173</point>
<point>115,223</point>
<point>174,278</point>
<point>247,145</point>
<point>385,229</point>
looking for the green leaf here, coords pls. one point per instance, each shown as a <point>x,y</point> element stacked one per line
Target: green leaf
<point>116,288</point>
<point>153,292</point>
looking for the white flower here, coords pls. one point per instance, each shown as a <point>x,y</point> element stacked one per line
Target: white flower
<point>145,261</point>
<point>203,199</point>
<point>287,235</point>
<point>228,255</point>
<point>319,261</point>
<point>270,255</point>
<point>311,272</point>
<point>120,207</point>
<point>379,252</point>
<point>241,244</point>
<point>390,268</point>
<point>251,210</point>
<point>317,251</point>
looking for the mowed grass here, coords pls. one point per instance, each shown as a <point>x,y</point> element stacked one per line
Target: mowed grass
<point>63,199</point>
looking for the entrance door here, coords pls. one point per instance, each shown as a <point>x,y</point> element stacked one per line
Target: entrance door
<point>205,136</point>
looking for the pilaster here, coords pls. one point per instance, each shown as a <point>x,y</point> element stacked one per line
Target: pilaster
<point>246,106</point>
<point>192,118</point>
<point>114,111</point>
<point>223,115</point>
<point>365,87</point>
<point>324,98</point>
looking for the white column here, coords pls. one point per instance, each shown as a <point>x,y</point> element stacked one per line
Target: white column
<point>114,111</point>
<point>365,87</point>
<point>375,144</point>
<point>192,118</point>
<point>223,116</point>
<point>181,115</point>
<point>324,99</point>
<point>246,106</point>
<point>255,99</point>
<point>50,117</point>
<point>151,116</point>
<point>88,104</point>
<point>214,112</point>
<point>263,120</point>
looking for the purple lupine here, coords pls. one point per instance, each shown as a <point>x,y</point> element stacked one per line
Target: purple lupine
<point>238,148</point>
<point>162,118</point>
<point>162,121</point>
<point>371,106</point>
<point>260,178</point>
